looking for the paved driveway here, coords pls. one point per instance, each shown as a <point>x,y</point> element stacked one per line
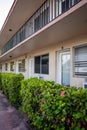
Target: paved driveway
<point>10,118</point>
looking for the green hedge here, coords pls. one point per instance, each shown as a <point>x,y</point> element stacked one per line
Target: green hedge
<point>53,106</point>
<point>11,85</point>
<point>47,104</point>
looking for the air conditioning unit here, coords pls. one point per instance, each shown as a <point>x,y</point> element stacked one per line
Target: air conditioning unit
<point>85,85</point>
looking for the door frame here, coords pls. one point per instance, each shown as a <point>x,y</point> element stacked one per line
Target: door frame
<point>59,66</point>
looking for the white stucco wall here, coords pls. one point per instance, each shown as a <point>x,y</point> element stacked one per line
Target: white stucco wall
<point>53,52</point>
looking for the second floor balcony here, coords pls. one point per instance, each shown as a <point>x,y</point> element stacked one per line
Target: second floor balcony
<point>47,12</point>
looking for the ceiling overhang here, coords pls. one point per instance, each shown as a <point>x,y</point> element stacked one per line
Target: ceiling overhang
<point>19,13</point>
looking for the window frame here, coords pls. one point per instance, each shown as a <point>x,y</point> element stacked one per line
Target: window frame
<point>77,47</point>
<point>0,67</point>
<point>20,64</point>
<point>41,65</point>
<point>12,66</point>
<point>6,66</point>
<point>42,18</point>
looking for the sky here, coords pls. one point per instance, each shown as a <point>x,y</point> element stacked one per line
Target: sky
<point>5,6</point>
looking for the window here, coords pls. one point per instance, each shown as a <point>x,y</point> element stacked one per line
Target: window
<point>6,66</point>
<point>12,66</point>
<point>42,64</point>
<point>29,27</point>
<point>76,1</point>
<point>41,19</point>
<point>22,34</point>
<point>21,65</point>
<point>80,61</point>
<point>0,67</point>
<point>65,5</point>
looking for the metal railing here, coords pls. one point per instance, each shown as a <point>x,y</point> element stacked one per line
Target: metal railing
<point>47,12</point>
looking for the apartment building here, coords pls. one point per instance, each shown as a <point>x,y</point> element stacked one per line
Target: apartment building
<point>46,39</point>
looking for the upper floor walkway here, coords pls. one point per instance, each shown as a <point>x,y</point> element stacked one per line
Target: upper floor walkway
<point>46,13</point>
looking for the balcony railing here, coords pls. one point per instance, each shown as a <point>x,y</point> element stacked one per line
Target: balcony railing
<point>48,11</point>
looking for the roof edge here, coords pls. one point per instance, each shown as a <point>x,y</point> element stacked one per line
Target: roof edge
<point>10,12</point>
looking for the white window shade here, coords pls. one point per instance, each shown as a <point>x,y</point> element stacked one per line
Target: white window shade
<point>80,61</point>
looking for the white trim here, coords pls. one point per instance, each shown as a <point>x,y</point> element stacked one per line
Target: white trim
<point>59,68</point>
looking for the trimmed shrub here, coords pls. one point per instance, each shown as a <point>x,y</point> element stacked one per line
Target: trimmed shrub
<point>53,106</point>
<point>11,85</point>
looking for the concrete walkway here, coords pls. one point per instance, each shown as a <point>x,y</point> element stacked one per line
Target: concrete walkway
<point>10,118</point>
